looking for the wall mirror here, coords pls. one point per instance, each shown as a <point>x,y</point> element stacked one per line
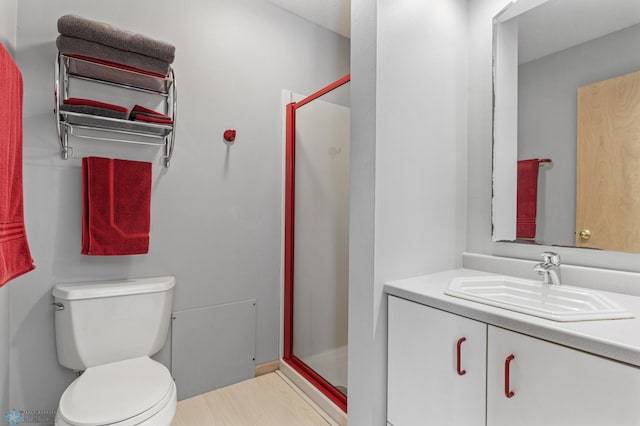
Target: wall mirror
<point>566,124</point>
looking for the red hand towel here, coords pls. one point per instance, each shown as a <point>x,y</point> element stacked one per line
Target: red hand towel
<point>527,199</point>
<point>92,103</point>
<point>140,113</point>
<point>15,257</point>
<point>149,119</point>
<point>140,108</point>
<point>116,196</point>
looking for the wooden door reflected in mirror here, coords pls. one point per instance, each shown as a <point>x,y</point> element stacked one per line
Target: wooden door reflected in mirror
<point>608,166</point>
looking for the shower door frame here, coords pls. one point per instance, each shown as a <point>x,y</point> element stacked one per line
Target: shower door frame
<point>296,363</point>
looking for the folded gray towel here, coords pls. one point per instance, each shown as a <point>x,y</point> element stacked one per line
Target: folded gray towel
<point>91,110</point>
<point>81,47</point>
<point>108,35</point>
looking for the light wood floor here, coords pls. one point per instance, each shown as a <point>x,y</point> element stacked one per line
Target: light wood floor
<point>269,400</point>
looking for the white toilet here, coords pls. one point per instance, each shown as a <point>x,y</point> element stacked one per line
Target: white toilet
<point>109,330</point>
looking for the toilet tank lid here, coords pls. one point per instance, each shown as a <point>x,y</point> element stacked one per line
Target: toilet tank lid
<point>94,290</point>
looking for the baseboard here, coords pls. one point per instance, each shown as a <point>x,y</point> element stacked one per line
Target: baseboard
<point>267,367</point>
<point>324,403</point>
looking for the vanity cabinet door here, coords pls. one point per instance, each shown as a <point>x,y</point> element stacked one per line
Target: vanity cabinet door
<point>426,384</point>
<point>553,385</point>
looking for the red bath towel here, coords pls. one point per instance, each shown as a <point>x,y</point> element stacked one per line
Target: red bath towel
<point>15,257</point>
<point>116,198</point>
<point>527,203</point>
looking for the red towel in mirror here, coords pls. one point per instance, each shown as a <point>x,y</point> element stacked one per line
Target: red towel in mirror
<point>15,257</point>
<point>527,199</point>
<point>116,215</point>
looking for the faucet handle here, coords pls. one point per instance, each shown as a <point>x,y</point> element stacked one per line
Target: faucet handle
<point>551,257</point>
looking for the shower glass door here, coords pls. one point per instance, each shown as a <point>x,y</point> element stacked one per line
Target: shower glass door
<point>316,239</point>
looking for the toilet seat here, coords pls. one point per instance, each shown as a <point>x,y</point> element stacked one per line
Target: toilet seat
<point>123,393</point>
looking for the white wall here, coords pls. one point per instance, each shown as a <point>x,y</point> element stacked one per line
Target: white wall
<point>8,39</point>
<point>216,212</point>
<point>479,239</point>
<point>419,176</point>
<point>366,370</point>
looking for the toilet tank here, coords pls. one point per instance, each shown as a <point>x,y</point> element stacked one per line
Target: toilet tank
<point>101,322</point>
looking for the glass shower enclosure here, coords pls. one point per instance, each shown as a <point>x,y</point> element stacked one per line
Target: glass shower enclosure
<point>316,239</point>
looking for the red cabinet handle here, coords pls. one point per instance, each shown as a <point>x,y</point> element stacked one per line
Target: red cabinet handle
<point>507,387</point>
<point>459,356</point>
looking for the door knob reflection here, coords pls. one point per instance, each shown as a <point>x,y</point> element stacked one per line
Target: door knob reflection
<point>585,234</point>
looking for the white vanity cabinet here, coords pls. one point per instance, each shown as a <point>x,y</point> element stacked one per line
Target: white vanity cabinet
<point>436,367</point>
<point>554,385</point>
<point>548,384</point>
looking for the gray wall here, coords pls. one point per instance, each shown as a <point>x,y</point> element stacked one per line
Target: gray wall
<point>408,169</point>
<point>8,23</point>
<point>547,115</point>
<point>216,212</point>
<point>4,348</point>
<point>479,154</point>
<point>8,39</point>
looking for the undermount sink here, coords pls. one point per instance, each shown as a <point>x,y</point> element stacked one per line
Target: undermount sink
<point>553,302</point>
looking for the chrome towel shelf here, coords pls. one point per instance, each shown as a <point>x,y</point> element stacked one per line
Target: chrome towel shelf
<point>107,129</point>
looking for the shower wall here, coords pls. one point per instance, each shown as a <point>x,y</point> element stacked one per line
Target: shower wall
<point>215,214</point>
<point>321,245</point>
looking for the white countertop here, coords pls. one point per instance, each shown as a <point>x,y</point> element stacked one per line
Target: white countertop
<point>615,339</point>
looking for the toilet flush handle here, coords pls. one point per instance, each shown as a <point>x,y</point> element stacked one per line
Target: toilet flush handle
<point>58,306</point>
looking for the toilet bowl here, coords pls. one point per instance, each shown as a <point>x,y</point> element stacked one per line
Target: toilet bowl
<point>108,331</point>
<point>125,393</point>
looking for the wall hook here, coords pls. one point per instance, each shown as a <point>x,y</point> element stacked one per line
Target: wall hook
<point>229,135</point>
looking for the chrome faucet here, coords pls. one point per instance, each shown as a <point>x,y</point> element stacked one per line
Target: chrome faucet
<point>549,268</point>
